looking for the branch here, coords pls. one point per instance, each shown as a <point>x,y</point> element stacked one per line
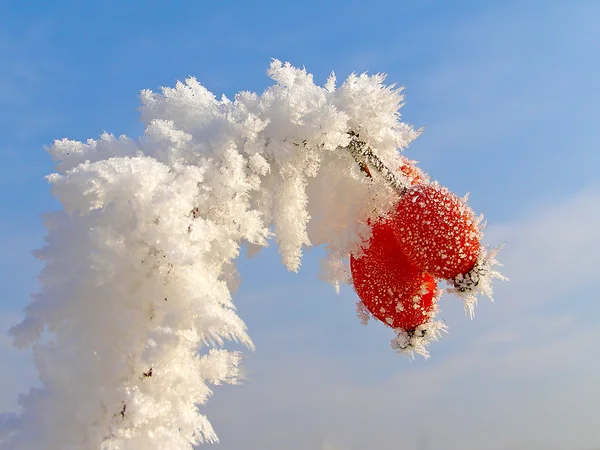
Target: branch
<point>363,154</point>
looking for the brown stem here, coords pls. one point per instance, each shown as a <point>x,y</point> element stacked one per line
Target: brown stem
<point>363,154</point>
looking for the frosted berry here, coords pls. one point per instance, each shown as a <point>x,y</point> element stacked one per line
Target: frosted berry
<point>437,231</point>
<point>393,290</point>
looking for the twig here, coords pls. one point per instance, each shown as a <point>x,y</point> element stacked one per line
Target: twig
<point>363,154</point>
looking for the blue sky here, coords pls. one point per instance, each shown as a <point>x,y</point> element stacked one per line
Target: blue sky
<point>508,95</point>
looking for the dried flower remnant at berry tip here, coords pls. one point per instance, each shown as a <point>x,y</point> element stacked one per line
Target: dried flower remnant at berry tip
<point>409,343</point>
<point>478,281</point>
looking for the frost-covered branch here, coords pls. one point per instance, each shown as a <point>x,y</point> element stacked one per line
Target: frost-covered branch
<point>136,300</point>
<point>363,153</point>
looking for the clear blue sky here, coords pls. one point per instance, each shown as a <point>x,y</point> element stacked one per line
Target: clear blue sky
<point>508,94</point>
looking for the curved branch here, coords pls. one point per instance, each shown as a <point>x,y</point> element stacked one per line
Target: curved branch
<point>363,154</point>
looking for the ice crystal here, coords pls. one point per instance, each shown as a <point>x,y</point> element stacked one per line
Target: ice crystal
<point>478,281</point>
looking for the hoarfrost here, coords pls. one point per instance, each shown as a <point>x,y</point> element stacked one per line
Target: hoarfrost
<point>139,268</point>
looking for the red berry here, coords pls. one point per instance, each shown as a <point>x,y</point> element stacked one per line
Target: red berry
<point>393,290</point>
<point>437,231</point>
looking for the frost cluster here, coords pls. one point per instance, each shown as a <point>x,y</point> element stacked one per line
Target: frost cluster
<point>136,300</point>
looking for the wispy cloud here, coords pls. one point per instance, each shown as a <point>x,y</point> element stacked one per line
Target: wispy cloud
<point>552,252</point>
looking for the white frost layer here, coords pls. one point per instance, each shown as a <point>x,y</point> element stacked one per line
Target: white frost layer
<point>140,266</point>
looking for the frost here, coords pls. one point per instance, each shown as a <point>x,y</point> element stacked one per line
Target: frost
<point>417,341</point>
<point>478,282</point>
<point>362,312</point>
<point>335,270</point>
<point>136,296</point>
<point>411,342</point>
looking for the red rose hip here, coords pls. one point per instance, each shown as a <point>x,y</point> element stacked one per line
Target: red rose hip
<point>393,290</point>
<point>437,231</point>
